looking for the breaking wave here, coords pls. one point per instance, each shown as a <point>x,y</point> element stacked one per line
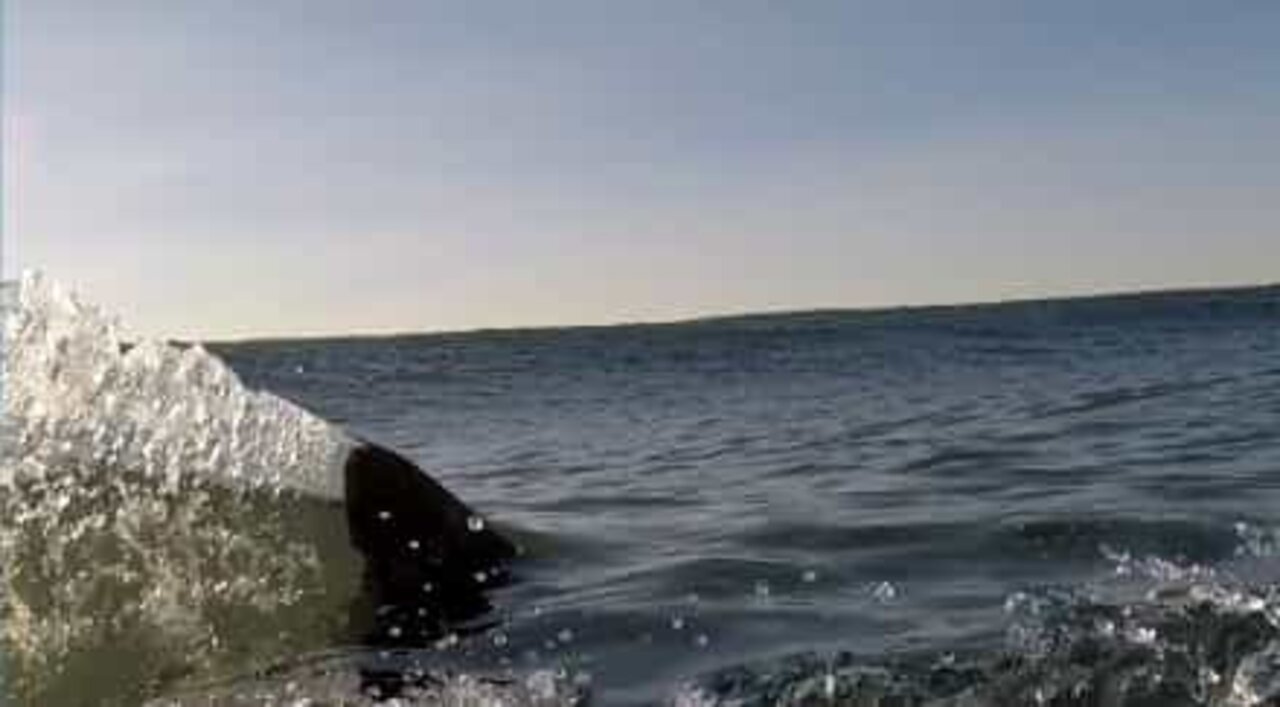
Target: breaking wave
<point>160,519</point>
<point>78,394</point>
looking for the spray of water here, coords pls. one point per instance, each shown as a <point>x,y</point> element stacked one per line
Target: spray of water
<point>78,394</point>
<point>158,519</point>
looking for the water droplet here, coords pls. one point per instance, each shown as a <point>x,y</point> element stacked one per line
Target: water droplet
<point>428,587</point>
<point>384,515</point>
<point>702,640</point>
<point>1142,635</point>
<point>481,577</point>
<point>414,545</point>
<point>565,636</point>
<point>394,632</point>
<point>475,524</point>
<point>809,577</point>
<point>678,623</point>
<point>885,591</point>
<point>500,639</point>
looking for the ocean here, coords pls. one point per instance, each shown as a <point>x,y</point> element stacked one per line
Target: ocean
<point>1067,502</point>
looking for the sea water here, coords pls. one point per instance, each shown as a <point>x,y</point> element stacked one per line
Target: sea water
<point>1056,502</point>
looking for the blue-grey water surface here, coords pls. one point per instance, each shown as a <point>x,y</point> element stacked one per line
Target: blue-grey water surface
<point>745,504</point>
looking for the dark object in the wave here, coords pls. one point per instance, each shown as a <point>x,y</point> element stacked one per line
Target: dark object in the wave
<point>429,559</point>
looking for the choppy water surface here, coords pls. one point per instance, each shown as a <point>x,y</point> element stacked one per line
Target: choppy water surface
<point>1045,503</point>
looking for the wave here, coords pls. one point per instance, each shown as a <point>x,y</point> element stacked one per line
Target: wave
<point>159,519</point>
<point>1207,643</point>
<point>77,393</point>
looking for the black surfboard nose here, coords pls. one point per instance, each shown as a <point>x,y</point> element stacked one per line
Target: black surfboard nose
<point>429,559</point>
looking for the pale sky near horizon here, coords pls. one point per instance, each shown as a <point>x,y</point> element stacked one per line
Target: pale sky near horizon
<point>284,167</point>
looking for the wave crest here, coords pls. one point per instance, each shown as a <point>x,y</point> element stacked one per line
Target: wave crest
<point>158,519</point>
<point>78,394</point>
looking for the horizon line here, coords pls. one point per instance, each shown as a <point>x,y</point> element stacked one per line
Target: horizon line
<point>780,312</point>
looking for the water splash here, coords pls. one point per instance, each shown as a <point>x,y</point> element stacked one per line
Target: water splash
<point>158,519</point>
<point>79,394</point>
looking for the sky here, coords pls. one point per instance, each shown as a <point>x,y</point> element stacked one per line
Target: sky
<point>298,167</point>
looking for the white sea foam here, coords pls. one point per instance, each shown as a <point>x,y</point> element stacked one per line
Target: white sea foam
<point>157,517</point>
<point>76,395</point>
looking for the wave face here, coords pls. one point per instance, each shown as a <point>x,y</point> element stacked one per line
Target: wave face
<point>1052,503</point>
<point>160,519</point>
<point>77,394</point>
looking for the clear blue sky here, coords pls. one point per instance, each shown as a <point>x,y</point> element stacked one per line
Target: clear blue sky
<point>276,167</point>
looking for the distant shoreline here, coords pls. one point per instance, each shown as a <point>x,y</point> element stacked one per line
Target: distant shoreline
<point>763,315</point>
